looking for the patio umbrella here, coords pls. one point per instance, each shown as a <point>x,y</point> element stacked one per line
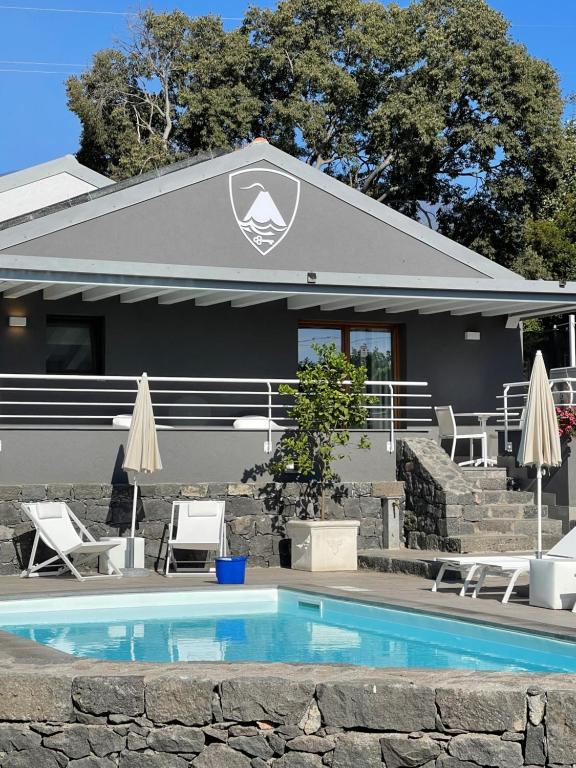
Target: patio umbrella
<point>142,452</point>
<point>540,443</point>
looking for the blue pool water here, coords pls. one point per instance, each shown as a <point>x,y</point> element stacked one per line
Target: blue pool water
<point>274,625</point>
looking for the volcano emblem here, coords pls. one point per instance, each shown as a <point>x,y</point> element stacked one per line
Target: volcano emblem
<point>264,203</point>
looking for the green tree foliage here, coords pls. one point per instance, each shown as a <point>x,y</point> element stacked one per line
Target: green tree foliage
<point>329,401</point>
<point>178,87</point>
<point>432,107</point>
<point>550,237</point>
<point>550,253</point>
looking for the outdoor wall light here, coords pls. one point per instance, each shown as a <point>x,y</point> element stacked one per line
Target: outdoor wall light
<point>472,335</point>
<point>17,322</point>
<point>311,277</point>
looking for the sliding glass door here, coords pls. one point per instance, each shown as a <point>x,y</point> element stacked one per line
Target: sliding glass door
<point>373,348</point>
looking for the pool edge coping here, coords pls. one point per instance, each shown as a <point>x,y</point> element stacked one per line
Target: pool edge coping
<point>18,650</point>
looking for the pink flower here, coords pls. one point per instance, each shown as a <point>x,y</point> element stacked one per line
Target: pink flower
<point>566,416</point>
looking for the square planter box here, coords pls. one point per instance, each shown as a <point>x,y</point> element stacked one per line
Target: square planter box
<point>324,545</point>
<point>552,583</point>
<point>119,554</point>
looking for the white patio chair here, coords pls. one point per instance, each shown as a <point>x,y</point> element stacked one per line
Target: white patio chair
<point>199,527</point>
<point>509,566</point>
<point>59,528</point>
<point>447,430</point>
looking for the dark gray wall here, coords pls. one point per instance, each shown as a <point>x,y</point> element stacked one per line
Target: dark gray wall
<point>196,226</point>
<point>44,455</point>
<point>261,341</point>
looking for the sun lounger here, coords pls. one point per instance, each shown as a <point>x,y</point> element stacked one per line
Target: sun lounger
<point>467,565</point>
<point>199,527</point>
<point>59,528</point>
<point>509,566</point>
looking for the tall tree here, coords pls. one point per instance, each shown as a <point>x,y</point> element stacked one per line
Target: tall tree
<point>432,109</point>
<point>550,236</point>
<point>176,88</point>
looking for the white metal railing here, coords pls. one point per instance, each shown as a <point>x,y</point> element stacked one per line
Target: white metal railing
<point>514,399</point>
<point>189,401</point>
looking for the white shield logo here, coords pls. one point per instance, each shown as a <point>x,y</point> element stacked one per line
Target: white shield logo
<point>264,203</point>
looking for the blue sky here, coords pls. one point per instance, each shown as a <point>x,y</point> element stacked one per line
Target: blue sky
<point>37,125</point>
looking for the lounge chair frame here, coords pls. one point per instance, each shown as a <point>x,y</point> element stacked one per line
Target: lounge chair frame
<point>86,545</point>
<point>511,566</point>
<point>215,542</point>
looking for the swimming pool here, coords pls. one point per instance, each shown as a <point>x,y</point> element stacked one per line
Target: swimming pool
<point>274,625</point>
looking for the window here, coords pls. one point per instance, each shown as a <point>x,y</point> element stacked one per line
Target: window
<point>307,336</point>
<point>373,346</point>
<point>74,345</point>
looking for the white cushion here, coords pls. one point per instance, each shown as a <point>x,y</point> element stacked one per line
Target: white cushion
<point>124,420</point>
<point>254,422</point>
<point>202,512</point>
<point>49,511</point>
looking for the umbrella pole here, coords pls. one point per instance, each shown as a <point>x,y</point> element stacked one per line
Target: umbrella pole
<point>539,505</point>
<point>133,526</point>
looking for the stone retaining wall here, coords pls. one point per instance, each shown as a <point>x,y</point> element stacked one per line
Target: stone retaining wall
<point>256,515</point>
<point>436,494</point>
<point>284,716</point>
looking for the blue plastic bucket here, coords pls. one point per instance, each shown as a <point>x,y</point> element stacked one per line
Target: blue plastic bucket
<point>231,570</point>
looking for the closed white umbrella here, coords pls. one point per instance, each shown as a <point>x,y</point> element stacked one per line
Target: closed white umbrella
<point>540,443</point>
<point>142,452</point>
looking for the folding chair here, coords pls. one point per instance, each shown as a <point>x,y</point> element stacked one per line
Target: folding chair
<point>199,527</point>
<point>59,528</point>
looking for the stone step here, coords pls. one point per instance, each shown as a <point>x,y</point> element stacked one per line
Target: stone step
<point>506,525</point>
<point>473,512</point>
<point>492,478</point>
<point>507,497</point>
<point>484,472</point>
<point>486,542</point>
<point>507,461</point>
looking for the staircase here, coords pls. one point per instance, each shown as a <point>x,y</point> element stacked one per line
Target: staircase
<point>502,520</point>
<point>462,509</point>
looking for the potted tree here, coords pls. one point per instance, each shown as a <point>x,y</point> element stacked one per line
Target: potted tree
<point>329,401</point>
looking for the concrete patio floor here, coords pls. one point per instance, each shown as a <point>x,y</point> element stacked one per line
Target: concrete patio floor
<point>392,589</point>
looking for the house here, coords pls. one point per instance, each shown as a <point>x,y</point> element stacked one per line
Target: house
<point>32,188</point>
<point>224,269</point>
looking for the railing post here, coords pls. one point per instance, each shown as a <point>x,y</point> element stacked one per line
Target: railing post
<point>391,443</point>
<point>506,418</point>
<point>268,446</point>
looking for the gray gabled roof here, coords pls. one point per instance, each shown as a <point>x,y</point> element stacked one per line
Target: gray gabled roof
<point>108,188</point>
<point>66,164</point>
<point>143,188</point>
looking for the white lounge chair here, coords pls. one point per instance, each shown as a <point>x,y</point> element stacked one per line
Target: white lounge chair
<point>199,527</point>
<point>467,566</point>
<point>447,430</point>
<point>509,566</point>
<point>59,528</point>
